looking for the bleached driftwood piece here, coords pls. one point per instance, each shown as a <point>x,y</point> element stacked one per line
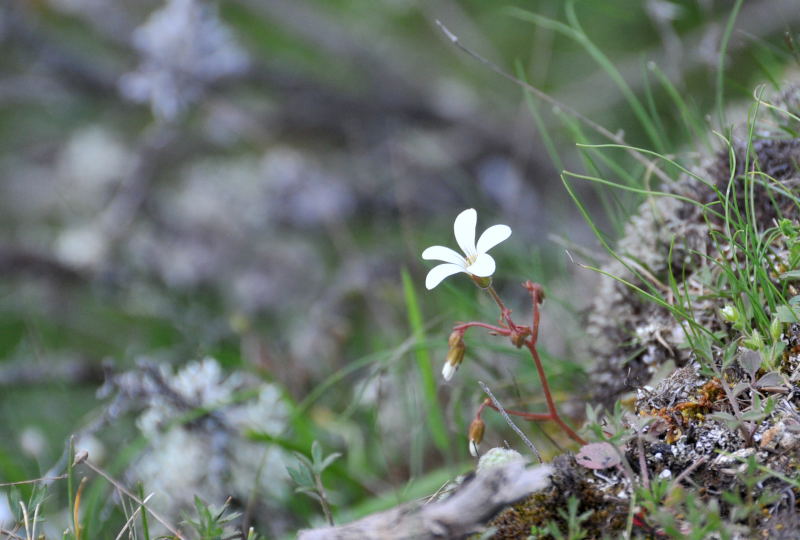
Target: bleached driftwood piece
<point>465,512</point>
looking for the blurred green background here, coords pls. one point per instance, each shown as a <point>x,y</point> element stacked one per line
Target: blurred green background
<point>250,180</point>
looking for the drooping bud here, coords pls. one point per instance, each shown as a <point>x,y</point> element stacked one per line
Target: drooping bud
<point>476,430</point>
<point>455,354</point>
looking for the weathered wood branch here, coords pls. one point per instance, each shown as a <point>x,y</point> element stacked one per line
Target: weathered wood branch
<point>479,498</point>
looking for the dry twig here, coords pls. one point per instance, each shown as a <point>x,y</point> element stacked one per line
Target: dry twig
<point>475,501</point>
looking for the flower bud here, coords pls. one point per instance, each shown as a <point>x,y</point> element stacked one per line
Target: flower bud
<point>455,355</point>
<point>754,341</point>
<point>787,228</point>
<point>476,430</point>
<point>730,313</point>
<point>775,330</point>
<point>518,336</point>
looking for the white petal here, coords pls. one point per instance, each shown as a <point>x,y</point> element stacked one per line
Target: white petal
<point>441,253</point>
<point>482,267</point>
<point>438,273</point>
<point>448,371</point>
<point>473,448</point>
<point>493,236</point>
<point>464,229</point>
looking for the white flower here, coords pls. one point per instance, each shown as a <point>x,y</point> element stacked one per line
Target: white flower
<point>475,261</point>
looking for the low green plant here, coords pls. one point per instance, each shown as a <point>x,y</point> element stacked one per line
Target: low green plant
<point>214,523</point>
<point>27,512</point>
<point>747,503</point>
<point>307,475</point>
<point>573,520</point>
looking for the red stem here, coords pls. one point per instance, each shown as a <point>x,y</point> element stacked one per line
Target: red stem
<point>491,327</point>
<point>514,331</point>
<point>536,299</point>
<point>551,406</point>
<point>505,313</point>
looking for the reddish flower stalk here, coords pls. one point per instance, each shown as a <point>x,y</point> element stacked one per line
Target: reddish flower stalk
<point>527,336</point>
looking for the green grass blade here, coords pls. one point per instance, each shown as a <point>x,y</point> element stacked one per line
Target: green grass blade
<point>71,482</point>
<point>677,312</point>
<point>692,121</point>
<point>433,412</point>
<point>533,108</point>
<point>641,191</point>
<point>652,107</point>
<point>723,50</point>
<point>143,512</point>
<point>574,32</point>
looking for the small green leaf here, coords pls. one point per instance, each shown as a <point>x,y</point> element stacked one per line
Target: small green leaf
<point>316,452</point>
<point>756,402</point>
<point>303,460</point>
<point>725,417</point>
<point>786,314</point>
<point>753,416</point>
<point>328,460</point>
<point>750,362</point>
<point>300,476</point>
<point>14,500</point>
<point>769,405</point>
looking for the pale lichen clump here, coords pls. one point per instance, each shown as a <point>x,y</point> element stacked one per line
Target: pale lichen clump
<point>199,424</point>
<point>497,457</point>
<point>184,47</point>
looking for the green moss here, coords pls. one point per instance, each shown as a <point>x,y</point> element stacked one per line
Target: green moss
<point>608,515</point>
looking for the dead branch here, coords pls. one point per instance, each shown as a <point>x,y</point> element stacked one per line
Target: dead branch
<point>480,497</point>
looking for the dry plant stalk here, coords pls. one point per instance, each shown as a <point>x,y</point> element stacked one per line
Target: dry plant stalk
<point>480,497</point>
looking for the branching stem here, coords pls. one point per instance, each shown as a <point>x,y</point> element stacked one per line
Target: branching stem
<point>528,336</point>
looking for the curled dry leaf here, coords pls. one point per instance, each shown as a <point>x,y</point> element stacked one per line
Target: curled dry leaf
<point>600,455</point>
